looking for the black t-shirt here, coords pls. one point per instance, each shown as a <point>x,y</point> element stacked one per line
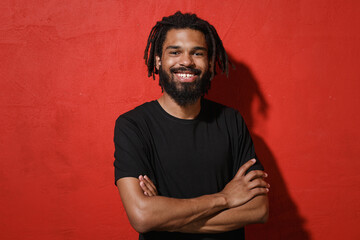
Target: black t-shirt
<point>184,158</point>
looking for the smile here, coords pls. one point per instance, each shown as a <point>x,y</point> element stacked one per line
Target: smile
<point>186,77</point>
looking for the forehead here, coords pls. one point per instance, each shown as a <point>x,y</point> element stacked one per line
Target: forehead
<point>185,38</point>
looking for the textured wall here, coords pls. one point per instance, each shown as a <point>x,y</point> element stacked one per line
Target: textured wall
<point>69,68</point>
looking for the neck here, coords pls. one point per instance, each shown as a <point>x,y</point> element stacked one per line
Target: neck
<point>190,111</point>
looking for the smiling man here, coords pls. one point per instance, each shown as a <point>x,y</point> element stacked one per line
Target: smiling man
<point>187,81</point>
<point>185,166</point>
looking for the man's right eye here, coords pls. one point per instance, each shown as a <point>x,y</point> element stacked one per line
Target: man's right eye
<point>174,53</point>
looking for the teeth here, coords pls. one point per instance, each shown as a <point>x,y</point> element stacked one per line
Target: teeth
<point>185,75</point>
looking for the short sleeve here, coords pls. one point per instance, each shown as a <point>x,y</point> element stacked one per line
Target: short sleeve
<point>130,155</point>
<point>246,149</point>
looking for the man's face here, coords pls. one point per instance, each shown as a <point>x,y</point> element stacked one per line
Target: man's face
<point>184,65</point>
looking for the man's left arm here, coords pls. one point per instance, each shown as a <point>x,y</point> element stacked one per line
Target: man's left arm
<point>254,211</point>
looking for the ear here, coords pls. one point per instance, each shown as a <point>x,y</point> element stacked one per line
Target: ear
<point>157,62</point>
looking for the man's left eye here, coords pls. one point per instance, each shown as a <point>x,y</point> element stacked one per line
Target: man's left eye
<point>199,54</point>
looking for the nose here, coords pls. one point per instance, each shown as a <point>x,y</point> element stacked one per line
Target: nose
<point>186,60</point>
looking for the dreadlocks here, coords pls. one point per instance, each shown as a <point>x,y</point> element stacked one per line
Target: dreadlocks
<point>216,52</point>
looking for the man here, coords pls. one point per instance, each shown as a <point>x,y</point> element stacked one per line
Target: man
<point>185,167</point>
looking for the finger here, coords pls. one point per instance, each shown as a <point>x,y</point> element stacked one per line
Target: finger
<point>242,170</point>
<point>150,189</point>
<point>141,178</point>
<point>259,182</point>
<point>259,191</point>
<point>144,188</point>
<point>141,183</point>
<point>150,183</point>
<point>255,174</point>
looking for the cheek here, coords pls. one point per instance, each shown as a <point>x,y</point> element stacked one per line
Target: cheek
<point>167,64</point>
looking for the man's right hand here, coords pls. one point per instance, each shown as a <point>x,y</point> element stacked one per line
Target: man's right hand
<point>243,187</point>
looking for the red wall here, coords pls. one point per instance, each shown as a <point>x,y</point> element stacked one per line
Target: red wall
<point>69,68</point>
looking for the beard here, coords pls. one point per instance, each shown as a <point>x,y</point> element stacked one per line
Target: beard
<point>184,93</point>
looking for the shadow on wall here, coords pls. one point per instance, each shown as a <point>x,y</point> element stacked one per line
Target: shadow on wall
<point>241,91</point>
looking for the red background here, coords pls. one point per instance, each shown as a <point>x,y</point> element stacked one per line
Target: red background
<point>69,68</point>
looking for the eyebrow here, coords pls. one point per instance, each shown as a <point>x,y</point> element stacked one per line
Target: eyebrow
<point>178,47</point>
<point>172,47</point>
<point>200,48</point>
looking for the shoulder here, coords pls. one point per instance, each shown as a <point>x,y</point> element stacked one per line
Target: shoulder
<point>220,111</point>
<point>137,121</point>
<point>137,115</point>
<point>134,124</point>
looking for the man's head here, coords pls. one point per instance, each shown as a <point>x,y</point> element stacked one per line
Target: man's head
<point>184,50</point>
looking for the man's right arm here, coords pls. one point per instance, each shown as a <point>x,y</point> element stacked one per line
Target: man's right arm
<point>159,213</point>
<point>254,211</point>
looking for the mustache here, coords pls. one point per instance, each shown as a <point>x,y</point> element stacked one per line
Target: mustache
<point>185,69</point>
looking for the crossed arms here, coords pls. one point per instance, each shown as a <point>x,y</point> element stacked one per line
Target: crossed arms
<point>243,201</point>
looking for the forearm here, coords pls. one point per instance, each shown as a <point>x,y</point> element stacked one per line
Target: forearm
<point>167,214</point>
<point>254,211</point>
<point>147,212</point>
